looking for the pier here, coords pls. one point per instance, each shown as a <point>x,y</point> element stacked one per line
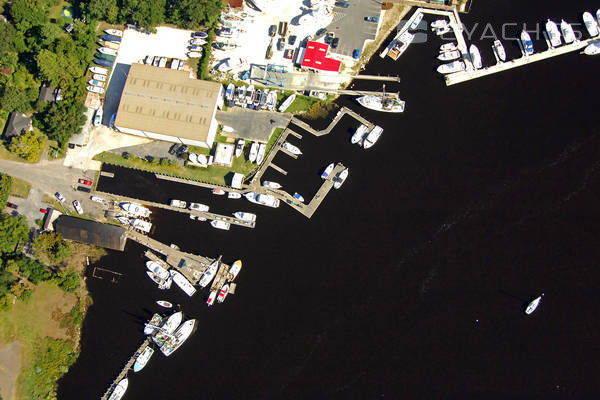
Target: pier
<point>343,111</point>
<point>268,161</point>
<point>125,369</point>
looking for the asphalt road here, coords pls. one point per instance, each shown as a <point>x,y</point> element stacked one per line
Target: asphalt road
<point>350,27</point>
<point>251,124</point>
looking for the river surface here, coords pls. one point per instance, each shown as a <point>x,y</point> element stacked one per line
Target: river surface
<point>409,281</point>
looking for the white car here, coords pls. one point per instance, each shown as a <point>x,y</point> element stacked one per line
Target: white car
<point>97,199</point>
<point>77,207</point>
<point>60,197</point>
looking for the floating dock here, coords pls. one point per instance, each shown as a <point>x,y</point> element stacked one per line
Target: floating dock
<point>343,111</point>
<point>125,369</point>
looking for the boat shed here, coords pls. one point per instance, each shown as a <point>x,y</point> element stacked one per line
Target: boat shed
<point>166,104</point>
<point>224,154</point>
<point>91,232</point>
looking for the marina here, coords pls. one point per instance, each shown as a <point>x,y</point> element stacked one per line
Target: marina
<point>125,369</point>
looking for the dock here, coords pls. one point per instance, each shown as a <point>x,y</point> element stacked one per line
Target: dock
<point>343,111</point>
<point>125,369</point>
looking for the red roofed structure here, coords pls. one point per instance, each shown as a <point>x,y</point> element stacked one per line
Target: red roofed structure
<point>315,57</point>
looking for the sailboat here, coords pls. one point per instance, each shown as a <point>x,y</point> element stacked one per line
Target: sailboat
<point>382,103</point>
<point>531,307</point>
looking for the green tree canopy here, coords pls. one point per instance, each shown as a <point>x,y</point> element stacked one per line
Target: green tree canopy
<point>29,13</point>
<point>98,9</point>
<point>62,120</point>
<point>67,280</point>
<point>6,182</point>
<point>194,14</point>
<point>29,269</point>
<point>12,231</point>
<point>28,146</point>
<point>14,98</point>
<point>51,248</point>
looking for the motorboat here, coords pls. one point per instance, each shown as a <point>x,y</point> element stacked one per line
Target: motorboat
<point>239,147</point>
<point>95,89</point>
<point>454,66</point>
<point>250,95</point>
<point>153,324</point>
<point>216,223</point>
<point>442,31</point>
<point>149,60</point>
<point>400,45</point>
<point>218,191</point>
<point>223,293</point>
<point>288,102</point>
<point>157,269</point>
<point>245,216</point>
<point>416,21</point>
<point>234,195</point>
<point>162,284</point>
<point>253,152</point>
<point>142,359</point>
<point>449,47</point>
<point>261,153</point>
<point>199,49</point>
<point>175,64</point>
<point>211,298</point>
<point>164,303</point>
<point>104,63</point>
<point>96,83</point>
<point>200,35</point>
<point>198,42</point>
<point>98,117</point>
<point>235,269</point>
<point>531,307</point>
<point>141,225</point>
<point>209,274</point>
<point>526,43</point>
<point>106,50</point>
<point>178,337</point>
<point>590,24</point>
<point>567,31</point>
<point>193,158</point>
<point>110,45</point>
<point>111,38</point>
<point>229,92</point>
<point>114,32</point>
<point>256,98</point>
<point>99,77</point>
<point>291,148</point>
<point>553,33</point>
<point>123,220</point>
<point>340,179</point>
<point>242,96</point>
<point>263,199</point>
<point>382,103</point>
<point>372,137</point>
<point>272,185</point>
<point>449,55</point>
<point>167,327</point>
<point>135,209</point>
<point>119,390</point>
<point>178,203</point>
<point>99,70</point>
<point>194,54</point>
<point>440,23</point>
<point>499,50</point>
<point>182,282</point>
<point>592,49</point>
<point>202,159</point>
<point>475,56</point>
<point>198,207</point>
<point>327,171</point>
<point>271,100</point>
<point>263,99</point>
<point>298,197</point>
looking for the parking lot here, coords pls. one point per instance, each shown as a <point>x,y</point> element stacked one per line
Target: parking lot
<point>350,26</point>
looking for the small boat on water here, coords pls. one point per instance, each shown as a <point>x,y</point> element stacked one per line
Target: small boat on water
<point>164,303</point>
<point>182,282</point>
<point>284,106</point>
<point>327,171</point>
<point>400,45</point>
<point>592,49</point>
<point>372,137</point>
<point>234,195</point>
<point>260,156</point>
<point>95,89</point>
<point>382,103</point>
<point>211,298</point>
<point>178,337</point>
<point>449,55</point>
<point>178,203</point>
<point>135,209</point>
<point>245,216</point>
<point>553,33</point>
<point>475,56</point>
<point>526,43</point>
<point>235,269</point>
<point>218,191</point>
<point>239,147</point>
<point>98,117</point>
<point>531,307</point>
<point>106,50</point>
<point>162,283</point>
<point>272,185</point>
<point>99,77</point>
<point>119,390</point>
<point>263,199</point>
<point>223,293</point>
<point>340,179</point>
<point>454,66</point>
<point>567,31</point>
<point>291,148</point>
<point>253,152</point>
<point>442,31</point>
<point>439,23</point>
<point>142,359</point>
<point>99,70</point>
<point>216,223</point>
<point>199,207</point>
<point>590,24</point>
<point>114,32</point>
<point>298,197</point>
<point>449,47</point>
<point>209,274</point>
<point>499,50</point>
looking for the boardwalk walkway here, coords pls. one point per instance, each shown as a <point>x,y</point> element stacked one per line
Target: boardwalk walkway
<point>333,123</point>
<point>125,369</point>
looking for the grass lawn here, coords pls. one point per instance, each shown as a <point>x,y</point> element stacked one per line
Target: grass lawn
<point>20,188</point>
<point>56,15</point>
<point>300,104</point>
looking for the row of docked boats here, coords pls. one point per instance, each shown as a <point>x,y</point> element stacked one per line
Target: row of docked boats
<point>105,57</point>
<point>249,97</point>
<point>135,209</point>
<point>256,152</point>
<point>365,137</point>
<point>338,179</point>
<point>168,333</point>
<point>404,38</point>
<point>135,223</point>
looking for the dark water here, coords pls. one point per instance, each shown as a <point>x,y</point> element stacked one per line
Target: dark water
<point>410,281</point>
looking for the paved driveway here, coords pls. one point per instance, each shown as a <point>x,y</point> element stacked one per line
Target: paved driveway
<point>350,27</point>
<point>251,124</point>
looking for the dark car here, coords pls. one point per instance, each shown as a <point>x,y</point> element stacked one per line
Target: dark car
<point>356,54</point>
<point>280,44</point>
<point>12,205</point>
<point>292,40</point>
<point>84,189</point>
<point>321,31</point>
<point>372,19</point>
<point>329,37</point>
<point>334,43</point>
<point>272,30</point>
<point>182,150</point>
<point>173,149</point>
<point>342,4</point>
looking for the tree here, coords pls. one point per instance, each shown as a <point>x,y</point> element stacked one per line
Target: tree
<point>5,189</point>
<point>15,99</point>
<point>67,280</point>
<point>28,269</point>
<point>7,33</point>
<point>29,13</point>
<point>145,13</point>
<point>51,248</point>
<point>193,13</point>
<point>48,34</point>
<point>28,146</point>
<point>62,120</point>
<point>98,9</point>
<point>6,281</point>
<point>12,231</point>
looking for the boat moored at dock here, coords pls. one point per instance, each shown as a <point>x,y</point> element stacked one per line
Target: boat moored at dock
<point>382,103</point>
<point>291,148</point>
<point>454,66</point>
<point>499,50</point>
<point>340,179</point>
<point>153,324</point>
<point>567,31</point>
<point>164,303</point>
<point>182,282</point>
<point>272,185</point>
<point>327,171</point>
<point>209,274</point>
<point>178,337</point>
<point>199,207</point>
<point>263,199</point>
<point>142,359</point>
<point>136,209</point>
<point>217,223</point>
<point>592,49</point>
<point>526,43</point>
<point>234,195</point>
<point>167,328</point>
<point>223,293</point>
<point>372,137</point>
<point>211,298</point>
<point>591,25</point>
<point>475,56</point>
<point>234,270</point>
<point>400,45</point>
<point>358,136</point>
<point>119,390</point>
<point>141,225</point>
<point>449,55</point>
<point>178,203</point>
<point>553,33</point>
<point>449,47</point>
<point>245,216</point>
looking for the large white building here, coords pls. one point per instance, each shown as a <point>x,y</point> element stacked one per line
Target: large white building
<point>166,104</point>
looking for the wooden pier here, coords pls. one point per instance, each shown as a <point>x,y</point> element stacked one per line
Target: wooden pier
<point>268,161</point>
<point>333,123</point>
<point>125,369</point>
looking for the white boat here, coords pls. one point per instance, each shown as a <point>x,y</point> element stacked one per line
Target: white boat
<point>99,77</point>
<point>141,225</point>
<point>340,179</point>
<point>298,197</point>
<point>106,50</point>
<point>400,45</point>
<point>223,293</point>
<point>164,303</point>
<point>123,220</point>
<point>592,49</point>
<point>234,195</point>
<point>526,43</point>
<point>229,92</point>
<point>114,32</point>
<point>157,269</point>
<point>440,23</point>
<point>178,337</point>
<point>202,159</point>
<point>197,41</point>
<point>199,207</point>
<point>567,31</point>
<point>182,282</point>
<point>598,15</point>
<point>235,270</point>
<point>209,274</point>
<point>174,63</point>
<point>136,209</point>
<point>153,324</point>
<point>245,216</point>
<point>216,223</point>
<point>382,103</point>
<point>142,359</point>
<point>271,100</point>
<point>590,24</point>
<point>449,55</point>
<point>442,31</point>
<point>449,46</point>
<point>218,191</point>
<point>228,129</point>
<point>253,152</point>
<point>553,33</point>
<point>162,284</point>
<point>358,136</point>
<point>291,148</point>
<point>239,147</point>
<point>260,156</point>
<point>452,67</point>
<point>475,56</point>
<point>94,89</point>
<point>119,390</point>
<point>178,203</point>
<point>98,117</point>
<point>249,95</point>
<point>193,158</point>
<point>211,298</point>
<point>272,185</point>
<point>99,70</point>
<point>284,106</point>
<point>194,54</point>
<point>96,83</point>
<point>416,21</point>
<point>166,329</point>
<point>327,171</point>
<point>263,199</point>
<point>372,137</point>
<point>499,50</point>
<point>533,305</point>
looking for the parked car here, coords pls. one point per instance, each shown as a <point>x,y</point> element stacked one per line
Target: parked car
<point>43,210</point>
<point>84,189</point>
<point>85,182</point>
<point>372,19</point>
<point>356,54</point>
<point>182,150</point>
<point>60,197</point>
<point>77,207</point>
<point>334,43</point>
<point>12,205</point>
<point>173,149</point>
<point>329,37</point>
<point>342,4</point>
<point>280,44</point>
<point>321,31</point>
<point>289,54</point>
<point>272,30</point>
<point>292,40</point>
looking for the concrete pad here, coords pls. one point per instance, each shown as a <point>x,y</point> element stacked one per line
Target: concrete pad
<point>250,124</point>
<point>166,42</point>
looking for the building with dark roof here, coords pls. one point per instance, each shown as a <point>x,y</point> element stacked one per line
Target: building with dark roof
<point>91,232</point>
<point>46,93</point>
<point>17,124</point>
